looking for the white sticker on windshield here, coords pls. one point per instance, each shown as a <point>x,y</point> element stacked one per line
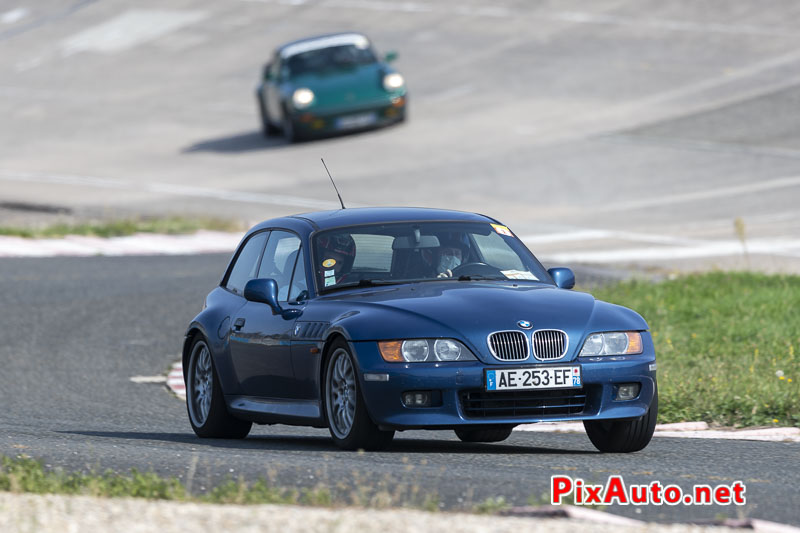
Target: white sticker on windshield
<point>329,273</point>
<point>330,281</point>
<point>519,274</point>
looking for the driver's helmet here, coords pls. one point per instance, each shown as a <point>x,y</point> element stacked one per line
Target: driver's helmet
<point>339,243</point>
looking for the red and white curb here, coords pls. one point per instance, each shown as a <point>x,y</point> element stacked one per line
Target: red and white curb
<point>685,430</point>
<point>138,244</point>
<point>175,381</point>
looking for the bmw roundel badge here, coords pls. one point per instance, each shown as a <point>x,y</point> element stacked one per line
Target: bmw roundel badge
<point>524,324</point>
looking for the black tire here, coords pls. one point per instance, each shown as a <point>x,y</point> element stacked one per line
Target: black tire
<point>361,432</point>
<point>290,133</point>
<point>267,127</point>
<point>209,415</point>
<point>488,434</point>
<point>626,435</point>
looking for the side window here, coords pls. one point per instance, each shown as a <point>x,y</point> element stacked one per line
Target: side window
<point>279,259</point>
<point>299,288</point>
<point>246,263</point>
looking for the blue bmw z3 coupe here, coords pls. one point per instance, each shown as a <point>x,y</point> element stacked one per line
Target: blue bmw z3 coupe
<point>376,320</point>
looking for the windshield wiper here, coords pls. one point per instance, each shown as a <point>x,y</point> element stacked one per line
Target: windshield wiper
<point>478,277</point>
<point>361,283</point>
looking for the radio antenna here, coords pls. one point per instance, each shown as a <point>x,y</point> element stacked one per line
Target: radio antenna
<point>334,183</point>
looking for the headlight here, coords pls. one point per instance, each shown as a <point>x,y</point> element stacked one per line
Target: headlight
<point>393,81</point>
<point>614,343</point>
<point>424,350</point>
<point>302,98</point>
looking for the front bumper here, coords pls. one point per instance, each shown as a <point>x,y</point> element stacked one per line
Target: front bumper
<point>460,391</point>
<point>342,120</point>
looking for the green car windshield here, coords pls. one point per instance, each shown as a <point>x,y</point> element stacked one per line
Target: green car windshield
<point>331,58</point>
<point>379,254</point>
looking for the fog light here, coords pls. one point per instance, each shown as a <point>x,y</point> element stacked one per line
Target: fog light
<point>420,398</point>
<point>628,391</point>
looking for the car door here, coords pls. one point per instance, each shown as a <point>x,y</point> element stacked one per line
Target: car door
<point>260,341</point>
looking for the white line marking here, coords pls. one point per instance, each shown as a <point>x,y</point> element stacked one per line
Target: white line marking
<point>665,24</point>
<point>451,93</point>
<point>718,192</point>
<point>149,379</point>
<point>781,247</point>
<point>15,15</point>
<point>573,17</point>
<point>170,189</point>
<point>128,30</point>
<point>140,244</point>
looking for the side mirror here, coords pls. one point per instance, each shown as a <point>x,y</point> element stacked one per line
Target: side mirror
<point>390,56</point>
<point>265,291</point>
<point>563,277</point>
<point>266,74</point>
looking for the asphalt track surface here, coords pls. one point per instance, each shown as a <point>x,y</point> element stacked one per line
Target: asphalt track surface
<point>612,132</point>
<point>75,330</point>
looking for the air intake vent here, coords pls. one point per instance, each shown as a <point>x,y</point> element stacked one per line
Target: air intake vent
<point>549,344</point>
<point>509,345</point>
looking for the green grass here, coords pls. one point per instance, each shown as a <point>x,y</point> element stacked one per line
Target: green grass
<point>726,345</point>
<point>119,228</point>
<point>26,475</point>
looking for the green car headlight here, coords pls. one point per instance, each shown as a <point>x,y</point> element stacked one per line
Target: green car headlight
<point>424,350</point>
<point>302,98</point>
<point>393,81</point>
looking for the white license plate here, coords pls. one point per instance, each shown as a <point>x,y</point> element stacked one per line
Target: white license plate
<point>356,121</point>
<point>541,377</point>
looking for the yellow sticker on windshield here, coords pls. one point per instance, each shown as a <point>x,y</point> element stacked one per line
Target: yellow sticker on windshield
<point>502,230</point>
<point>329,263</point>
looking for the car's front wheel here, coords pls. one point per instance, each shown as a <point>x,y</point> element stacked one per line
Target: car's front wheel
<point>208,413</point>
<point>267,127</point>
<point>623,436</point>
<point>349,423</point>
<point>490,434</point>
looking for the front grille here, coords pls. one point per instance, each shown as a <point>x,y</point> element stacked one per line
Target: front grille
<point>509,345</point>
<point>549,344</point>
<point>510,404</point>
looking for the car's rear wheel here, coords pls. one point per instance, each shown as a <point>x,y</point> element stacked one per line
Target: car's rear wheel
<point>204,400</point>
<point>623,436</point>
<point>349,423</point>
<point>490,434</point>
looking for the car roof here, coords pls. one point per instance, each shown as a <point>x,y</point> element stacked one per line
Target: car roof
<point>322,41</point>
<point>321,220</point>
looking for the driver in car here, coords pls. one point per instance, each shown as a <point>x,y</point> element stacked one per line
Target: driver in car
<point>450,255</point>
<point>338,253</point>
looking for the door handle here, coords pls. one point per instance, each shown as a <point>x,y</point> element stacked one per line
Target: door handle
<point>238,324</point>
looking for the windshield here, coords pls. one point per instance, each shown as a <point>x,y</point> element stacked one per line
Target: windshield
<point>331,58</point>
<point>421,251</point>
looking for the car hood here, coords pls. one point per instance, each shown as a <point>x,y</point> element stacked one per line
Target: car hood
<point>344,87</point>
<point>470,311</point>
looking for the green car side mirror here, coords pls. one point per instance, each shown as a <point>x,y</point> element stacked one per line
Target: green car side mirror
<point>390,56</point>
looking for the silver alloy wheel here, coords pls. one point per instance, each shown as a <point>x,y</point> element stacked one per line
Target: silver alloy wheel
<point>341,393</point>
<point>200,384</point>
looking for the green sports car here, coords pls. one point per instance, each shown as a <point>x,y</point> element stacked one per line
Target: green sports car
<point>329,84</point>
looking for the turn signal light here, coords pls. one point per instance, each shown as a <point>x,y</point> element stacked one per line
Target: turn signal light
<point>390,351</point>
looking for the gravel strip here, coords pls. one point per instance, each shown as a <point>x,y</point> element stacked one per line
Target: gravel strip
<point>30,513</point>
